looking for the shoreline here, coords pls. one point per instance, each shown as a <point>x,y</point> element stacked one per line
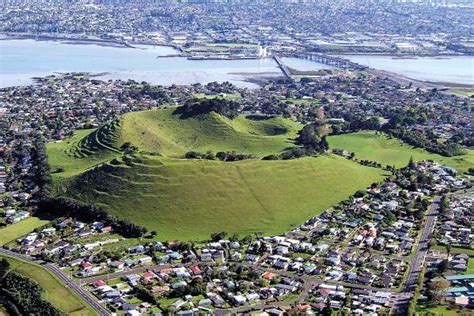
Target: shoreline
<point>68,39</point>
<point>77,41</point>
<point>425,84</point>
<point>71,40</point>
<point>401,55</point>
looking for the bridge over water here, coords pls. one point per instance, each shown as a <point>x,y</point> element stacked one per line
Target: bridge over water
<point>329,60</point>
<point>282,66</point>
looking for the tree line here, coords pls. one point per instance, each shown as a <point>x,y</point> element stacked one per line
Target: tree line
<point>221,155</point>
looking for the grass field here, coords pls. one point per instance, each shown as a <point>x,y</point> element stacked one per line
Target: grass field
<point>14,231</point>
<point>53,289</point>
<point>190,199</point>
<point>470,266</point>
<point>391,151</point>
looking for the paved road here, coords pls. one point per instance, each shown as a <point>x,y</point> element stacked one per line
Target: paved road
<point>416,264</point>
<point>421,249</point>
<point>86,296</point>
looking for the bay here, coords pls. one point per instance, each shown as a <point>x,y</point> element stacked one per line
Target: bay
<point>20,60</point>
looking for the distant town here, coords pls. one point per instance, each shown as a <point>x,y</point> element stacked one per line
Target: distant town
<point>210,31</point>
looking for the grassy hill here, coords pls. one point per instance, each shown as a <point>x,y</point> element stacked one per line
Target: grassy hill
<point>161,131</point>
<point>190,199</point>
<point>391,151</point>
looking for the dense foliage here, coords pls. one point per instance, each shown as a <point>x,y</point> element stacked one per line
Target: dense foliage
<point>22,296</point>
<point>221,155</point>
<point>195,107</point>
<point>311,138</point>
<point>420,140</point>
<point>311,142</point>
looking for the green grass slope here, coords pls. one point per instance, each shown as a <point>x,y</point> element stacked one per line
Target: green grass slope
<point>183,199</point>
<point>161,131</point>
<point>391,151</point>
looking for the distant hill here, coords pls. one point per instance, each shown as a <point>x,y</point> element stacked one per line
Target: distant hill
<point>190,199</point>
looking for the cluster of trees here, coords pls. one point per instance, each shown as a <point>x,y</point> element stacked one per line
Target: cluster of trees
<point>310,137</point>
<point>22,296</point>
<point>61,206</point>
<point>410,178</point>
<point>140,91</point>
<point>311,141</point>
<point>128,148</point>
<point>471,171</point>
<point>194,107</point>
<point>419,139</point>
<point>43,173</point>
<point>221,155</point>
<point>354,123</point>
<point>370,163</point>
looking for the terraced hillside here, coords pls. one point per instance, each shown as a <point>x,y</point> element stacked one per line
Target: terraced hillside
<point>190,199</point>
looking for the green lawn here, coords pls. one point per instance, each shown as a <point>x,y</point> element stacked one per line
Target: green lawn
<point>470,267</point>
<point>438,311</point>
<point>53,289</point>
<point>304,101</point>
<point>166,303</point>
<point>469,252</point>
<point>391,151</point>
<point>14,231</point>
<point>229,96</point>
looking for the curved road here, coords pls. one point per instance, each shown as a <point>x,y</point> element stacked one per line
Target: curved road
<point>86,296</point>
